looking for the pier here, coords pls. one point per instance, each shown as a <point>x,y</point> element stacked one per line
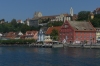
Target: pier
<point>47,45</point>
<point>41,45</point>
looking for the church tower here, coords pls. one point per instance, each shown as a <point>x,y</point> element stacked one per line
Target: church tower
<point>37,14</point>
<point>92,15</point>
<point>71,11</point>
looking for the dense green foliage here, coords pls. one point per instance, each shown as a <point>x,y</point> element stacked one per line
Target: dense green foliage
<point>83,15</point>
<point>55,23</point>
<point>15,27</point>
<point>96,21</point>
<point>54,34</point>
<point>17,41</point>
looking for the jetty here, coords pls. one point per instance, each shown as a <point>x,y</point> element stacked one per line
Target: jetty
<point>54,44</point>
<point>46,45</point>
<point>41,45</point>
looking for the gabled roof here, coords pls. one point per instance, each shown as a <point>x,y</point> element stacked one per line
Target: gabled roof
<point>49,30</point>
<point>97,9</point>
<point>30,32</point>
<point>81,26</point>
<point>18,21</point>
<point>10,34</point>
<point>17,33</point>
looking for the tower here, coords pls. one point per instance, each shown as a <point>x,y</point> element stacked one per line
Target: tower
<point>92,15</point>
<point>37,14</point>
<point>71,11</point>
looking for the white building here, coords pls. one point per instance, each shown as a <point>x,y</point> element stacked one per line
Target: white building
<point>62,17</point>
<point>20,21</point>
<point>71,11</point>
<point>37,14</point>
<point>41,34</point>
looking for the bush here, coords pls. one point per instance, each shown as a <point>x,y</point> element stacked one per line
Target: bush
<point>17,41</point>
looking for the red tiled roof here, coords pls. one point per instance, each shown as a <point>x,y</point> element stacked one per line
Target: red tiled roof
<point>51,28</point>
<point>11,34</point>
<point>19,21</point>
<point>97,9</point>
<point>30,32</point>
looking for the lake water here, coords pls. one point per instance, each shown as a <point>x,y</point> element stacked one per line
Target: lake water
<point>29,56</point>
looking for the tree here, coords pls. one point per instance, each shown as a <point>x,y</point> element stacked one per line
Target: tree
<point>16,27</point>
<point>13,22</point>
<point>54,34</point>
<point>96,21</point>
<point>83,15</point>
<point>55,23</point>
<point>3,20</point>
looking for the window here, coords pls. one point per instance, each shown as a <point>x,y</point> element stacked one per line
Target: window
<point>66,26</point>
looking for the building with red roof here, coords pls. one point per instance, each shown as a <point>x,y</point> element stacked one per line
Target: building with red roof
<point>97,11</point>
<point>49,30</point>
<point>31,35</point>
<point>77,32</point>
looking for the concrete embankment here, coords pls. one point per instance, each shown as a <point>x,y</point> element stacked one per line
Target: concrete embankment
<point>95,46</point>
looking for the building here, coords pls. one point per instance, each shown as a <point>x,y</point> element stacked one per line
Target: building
<point>71,11</point>
<point>37,14</point>
<point>32,22</point>
<point>19,21</point>
<point>18,35</point>
<point>0,34</point>
<point>97,34</point>
<point>91,15</point>
<point>41,34</point>
<point>2,21</point>
<point>10,35</point>
<point>31,35</point>
<point>49,31</point>
<point>96,11</point>
<point>77,32</point>
<point>38,18</point>
<point>62,17</point>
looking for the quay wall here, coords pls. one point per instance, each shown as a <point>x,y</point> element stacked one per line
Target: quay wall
<point>83,45</point>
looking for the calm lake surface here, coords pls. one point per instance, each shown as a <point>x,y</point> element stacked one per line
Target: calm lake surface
<point>29,56</point>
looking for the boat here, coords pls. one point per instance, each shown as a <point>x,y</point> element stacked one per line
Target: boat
<point>57,44</point>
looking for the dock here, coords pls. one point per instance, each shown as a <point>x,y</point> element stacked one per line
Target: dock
<point>41,45</point>
<point>46,45</point>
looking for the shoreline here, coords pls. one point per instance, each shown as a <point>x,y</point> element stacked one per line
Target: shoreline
<point>90,46</point>
<point>14,45</point>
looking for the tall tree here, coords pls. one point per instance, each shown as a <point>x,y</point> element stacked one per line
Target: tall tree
<point>2,19</point>
<point>54,34</point>
<point>83,15</point>
<point>55,23</point>
<point>96,21</point>
<point>13,22</point>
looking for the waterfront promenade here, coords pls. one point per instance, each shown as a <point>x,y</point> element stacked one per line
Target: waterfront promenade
<point>92,46</point>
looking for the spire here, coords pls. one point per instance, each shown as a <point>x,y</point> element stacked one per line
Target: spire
<point>71,11</point>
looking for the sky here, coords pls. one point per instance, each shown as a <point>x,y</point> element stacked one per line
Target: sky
<point>23,9</point>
